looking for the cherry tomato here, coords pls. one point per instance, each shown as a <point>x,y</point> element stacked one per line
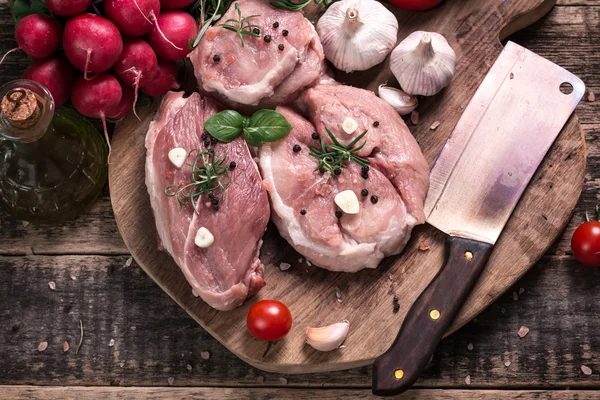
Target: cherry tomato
<point>416,5</point>
<point>269,320</point>
<point>585,243</point>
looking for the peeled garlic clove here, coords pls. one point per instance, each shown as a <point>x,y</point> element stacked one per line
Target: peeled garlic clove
<point>347,201</point>
<point>349,125</point>
<point>423,63</point>
<point>329,337</point>
<point>402,102</point>
<point>357,34</point>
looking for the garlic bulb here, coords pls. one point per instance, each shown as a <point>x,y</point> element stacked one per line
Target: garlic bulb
<point>402,102</point>
<point>357,34</point>
<point>329,337</point>
<point>423,63</point>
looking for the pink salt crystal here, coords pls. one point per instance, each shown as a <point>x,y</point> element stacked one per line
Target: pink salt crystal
<point>66,346</point>
<point>586,370</point>
<point>468,380</point>
<point>171,380</point>
<point>423,246</point>
<point>42,346</point>
<point>435,125</point>
<point>523,331</point>
<point>414,117</point>
<point>52,285</point>
<point>205,355</point>
<point>470,346</point>
<point>189,367</point>
<point>507,363</point>
<point>591,97</point>
<point>283,381</point>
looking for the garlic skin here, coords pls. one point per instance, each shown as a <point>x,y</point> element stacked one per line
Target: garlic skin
<point>423,63</point>
<point>357,34</point>
<point>328,338</point>
<point>402,102</point>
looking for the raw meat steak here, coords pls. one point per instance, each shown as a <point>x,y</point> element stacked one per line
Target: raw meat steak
<point>273,65</point>
<point>390,146</point>
<point>228,271</point>
<point>349,243</point>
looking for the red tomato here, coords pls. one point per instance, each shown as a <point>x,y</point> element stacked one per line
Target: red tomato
<point>585,243</point>
<point>269,320</point>
<point>416,5</point>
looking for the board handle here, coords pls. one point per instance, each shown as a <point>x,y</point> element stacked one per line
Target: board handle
<point>430,316</point>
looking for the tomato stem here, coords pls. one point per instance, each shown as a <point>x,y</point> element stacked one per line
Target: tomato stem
<point>268,348</point>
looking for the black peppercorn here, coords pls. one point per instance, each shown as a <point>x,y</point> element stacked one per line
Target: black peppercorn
<point>303,211</point>
<point>275,25</point>
<point>216,58</point>
<point>376,124</point>
<point>322,170</point>
<point>214,200</point>
<point>211,196</point>
<point>364,175</point>
<point>213,140</point>
<point>206,142</point>
<point>216,207</point>
<point>365,168</point>
<point>337,171</point>
<point>374,199</point>
<point>315,136</point>
<point>204,136</point>
<point>232,165</point>
<point>267,38</point>
<point>364,192</point>
<point>256,31</point>
<point>281,47</point>
<point>284,32</point>
<point>338,214</point>
<point>296,148</point>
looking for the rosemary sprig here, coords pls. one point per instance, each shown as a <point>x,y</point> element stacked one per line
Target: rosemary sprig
<point>242,25</point>
<point>208,12</point>
<point>290,5</point>
<point>332,156</point>
<point>209,175</point>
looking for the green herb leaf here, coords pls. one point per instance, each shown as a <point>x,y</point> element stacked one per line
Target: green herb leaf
<point>22,8</point>
<point>225,126</point>
<point>266,126</point>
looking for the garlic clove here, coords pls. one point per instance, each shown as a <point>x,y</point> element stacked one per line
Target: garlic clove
<point>328,338</point>
<point>402,102</point>
<point>349,125</point>
<point>347,201</point>
<point>204,238</point>
<point>177,156</point>
<point>423,63</point>
<point>357,34</point>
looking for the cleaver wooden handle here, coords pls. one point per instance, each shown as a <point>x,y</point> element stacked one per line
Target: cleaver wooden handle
<point>430,316</point>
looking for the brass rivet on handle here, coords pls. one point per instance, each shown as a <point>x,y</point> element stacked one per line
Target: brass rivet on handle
<point>434,314</point>
<point>398,374</point>
<point>468,256</point>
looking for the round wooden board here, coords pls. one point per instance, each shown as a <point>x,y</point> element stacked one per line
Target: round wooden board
<point>366,298</point>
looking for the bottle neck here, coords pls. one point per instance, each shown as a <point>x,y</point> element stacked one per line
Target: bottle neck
<point>26,111</point>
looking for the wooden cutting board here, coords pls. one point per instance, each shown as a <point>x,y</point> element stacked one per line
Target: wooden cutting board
<point>317,297</point>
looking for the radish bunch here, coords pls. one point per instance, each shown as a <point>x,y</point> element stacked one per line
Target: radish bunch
<point>132,46</point>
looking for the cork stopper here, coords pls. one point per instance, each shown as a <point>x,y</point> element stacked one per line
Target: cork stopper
<point>20,107</point>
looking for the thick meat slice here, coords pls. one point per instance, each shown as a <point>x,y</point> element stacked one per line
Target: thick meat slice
<point>244,75</point>
<point>390,146</point>
<point>229,270</point>
<point>349,243</point>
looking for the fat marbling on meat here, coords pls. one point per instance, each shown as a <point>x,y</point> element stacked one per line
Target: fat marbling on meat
<point>302,199</point>
<point>267,70</point>
<point>227,272</point>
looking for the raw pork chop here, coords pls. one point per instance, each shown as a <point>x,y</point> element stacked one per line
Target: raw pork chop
<point>227,272</point>
<point>390,146</point>
<point>349,243</point>
<point>277,67</point>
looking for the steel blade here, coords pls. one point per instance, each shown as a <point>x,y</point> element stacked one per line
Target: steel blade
<point>498,143</point>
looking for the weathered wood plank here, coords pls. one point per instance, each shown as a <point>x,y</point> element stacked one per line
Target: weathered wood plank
<point>93,393</point>
<point>156,340</point>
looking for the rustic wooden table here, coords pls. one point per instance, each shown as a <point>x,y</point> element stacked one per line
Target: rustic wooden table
<point>138,343</point>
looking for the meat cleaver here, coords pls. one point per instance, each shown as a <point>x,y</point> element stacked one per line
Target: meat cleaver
<point>482,171</point>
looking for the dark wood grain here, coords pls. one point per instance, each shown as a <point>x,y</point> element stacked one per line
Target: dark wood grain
<point>422,331</point>
<point>559,304</point>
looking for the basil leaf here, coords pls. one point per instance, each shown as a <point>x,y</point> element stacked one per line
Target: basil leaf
<point>225,126</point>
<point>23,8</point>
<point>252,137</point>
<point>267,126</point>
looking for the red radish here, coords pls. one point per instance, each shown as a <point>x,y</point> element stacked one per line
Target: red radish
<point>137,65</point>
<point>165,79</point>
<point>132,17</point>
<point>38,36</point>
<point>54,73</point>
<point>68,8</point>
<point>92,43</point>
<point>179,28</point>
<point>96,97</point>
<point>126,105</point>
<point>174,4</point>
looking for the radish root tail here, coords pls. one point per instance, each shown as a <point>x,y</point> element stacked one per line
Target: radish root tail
<point>88,60</point>
<point>142,12</point>
<point>136,87</point>
<point>103,117</point>
<point>162,33</point>
<point>7,53</point>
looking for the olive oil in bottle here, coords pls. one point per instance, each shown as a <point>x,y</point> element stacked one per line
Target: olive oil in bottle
<point>53,163</point>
